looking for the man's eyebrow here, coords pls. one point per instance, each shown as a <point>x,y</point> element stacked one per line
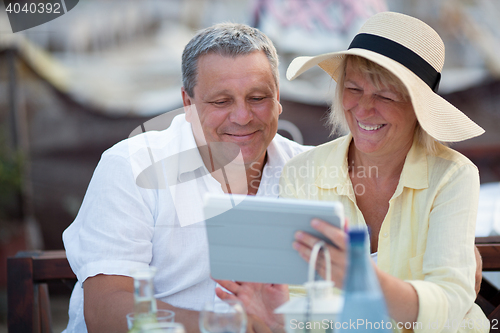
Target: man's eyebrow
<point>217,94</point>
<point>267,88</point>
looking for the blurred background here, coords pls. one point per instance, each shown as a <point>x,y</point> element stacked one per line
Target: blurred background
<point>75,86</point>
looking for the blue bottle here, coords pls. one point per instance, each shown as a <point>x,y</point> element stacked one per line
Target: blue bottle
<point>364,304</point>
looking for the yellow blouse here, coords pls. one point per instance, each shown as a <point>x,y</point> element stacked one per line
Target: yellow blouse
<point>427,236</point>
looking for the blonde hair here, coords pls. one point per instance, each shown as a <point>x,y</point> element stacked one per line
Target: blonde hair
<point>380,77</point>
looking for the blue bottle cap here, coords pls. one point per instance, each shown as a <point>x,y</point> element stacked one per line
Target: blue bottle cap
<point>357,235</point>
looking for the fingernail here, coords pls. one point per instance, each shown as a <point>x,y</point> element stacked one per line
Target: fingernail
<point>315,222</point>
<point>295,245</point>
<point>299,235</point>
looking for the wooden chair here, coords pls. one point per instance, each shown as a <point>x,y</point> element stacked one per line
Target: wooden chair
<point>28,298</point>
<point>489,296</point>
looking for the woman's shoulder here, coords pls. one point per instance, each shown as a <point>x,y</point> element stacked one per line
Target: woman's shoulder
<point>449,161</point>
<point>451,157</point>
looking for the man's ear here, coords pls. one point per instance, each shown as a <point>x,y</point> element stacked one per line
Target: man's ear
<point>279,103</point>
<point>187,102</point>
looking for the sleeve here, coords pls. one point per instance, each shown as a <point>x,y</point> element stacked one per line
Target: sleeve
<point>447,292</point>
<point>112,233</point>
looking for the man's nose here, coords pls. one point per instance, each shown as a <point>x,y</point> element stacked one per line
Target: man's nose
<point>241,114</point>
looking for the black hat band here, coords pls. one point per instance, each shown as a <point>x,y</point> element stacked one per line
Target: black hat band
<point>401,54</point>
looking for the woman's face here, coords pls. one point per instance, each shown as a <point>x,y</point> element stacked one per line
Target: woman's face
<point>380,120</point>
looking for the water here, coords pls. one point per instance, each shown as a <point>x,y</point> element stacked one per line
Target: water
<point>364,304</point>
<point>144,300</point>
<point>145,304</point>
<point>365,313</point>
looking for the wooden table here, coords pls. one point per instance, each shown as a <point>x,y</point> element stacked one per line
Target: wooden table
<point>489,296</point>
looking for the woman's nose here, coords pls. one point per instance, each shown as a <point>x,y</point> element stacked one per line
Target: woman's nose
<point>366,106</point>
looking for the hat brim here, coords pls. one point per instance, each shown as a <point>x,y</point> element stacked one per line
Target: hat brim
<point>439,118</point>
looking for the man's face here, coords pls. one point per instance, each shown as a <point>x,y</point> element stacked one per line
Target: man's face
<point>237,101</point>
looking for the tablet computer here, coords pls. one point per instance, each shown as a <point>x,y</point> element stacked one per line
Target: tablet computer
<point>250,238</point>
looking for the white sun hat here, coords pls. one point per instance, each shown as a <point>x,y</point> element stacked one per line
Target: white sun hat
<point>413,52</point>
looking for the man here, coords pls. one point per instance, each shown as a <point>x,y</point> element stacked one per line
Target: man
<point>130,219</point>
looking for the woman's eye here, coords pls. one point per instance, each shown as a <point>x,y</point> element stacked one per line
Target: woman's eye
<point>385,98</point>
<point>256,99</point>
<point>352,89</point>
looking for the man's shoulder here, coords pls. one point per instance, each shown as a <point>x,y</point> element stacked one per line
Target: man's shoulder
<point>151,140</point>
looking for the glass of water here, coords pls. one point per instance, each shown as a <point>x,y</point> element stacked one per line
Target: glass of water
<point>163,327</point>
<point>223,317</point>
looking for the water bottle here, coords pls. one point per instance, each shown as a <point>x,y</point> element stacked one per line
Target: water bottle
<point>364,304</point>
<point>144,300</point>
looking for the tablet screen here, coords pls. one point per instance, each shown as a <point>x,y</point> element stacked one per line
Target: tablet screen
<point>250,238</point>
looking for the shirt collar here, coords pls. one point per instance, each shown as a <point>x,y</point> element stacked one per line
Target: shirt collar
<point>276,157</point>
<point>414,174</point>
<point>189,155</point>
<point>182,158</point>
<point>335,173</point>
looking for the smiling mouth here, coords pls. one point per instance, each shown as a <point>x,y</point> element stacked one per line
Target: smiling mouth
<point>370,128</point>
<point>240,135</point>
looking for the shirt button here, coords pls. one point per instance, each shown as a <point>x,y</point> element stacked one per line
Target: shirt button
<point>385,234</point>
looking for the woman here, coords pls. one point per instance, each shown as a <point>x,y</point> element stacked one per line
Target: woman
<point>393,174</point>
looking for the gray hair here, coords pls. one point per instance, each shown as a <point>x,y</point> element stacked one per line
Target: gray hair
<point>226,39</point>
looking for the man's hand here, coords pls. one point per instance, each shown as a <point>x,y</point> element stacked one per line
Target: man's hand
<point>259,299</point>
<point>256,325</point>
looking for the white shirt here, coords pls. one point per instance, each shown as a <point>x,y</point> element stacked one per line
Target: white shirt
<point>131,218</point>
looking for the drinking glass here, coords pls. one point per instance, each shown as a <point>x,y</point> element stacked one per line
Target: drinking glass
<point>162,316</point>
<point>163,327</point>
<point>223,317</point>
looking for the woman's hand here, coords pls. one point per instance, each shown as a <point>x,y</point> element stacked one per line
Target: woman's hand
<point>259,299</point>
<point>305,242</point>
